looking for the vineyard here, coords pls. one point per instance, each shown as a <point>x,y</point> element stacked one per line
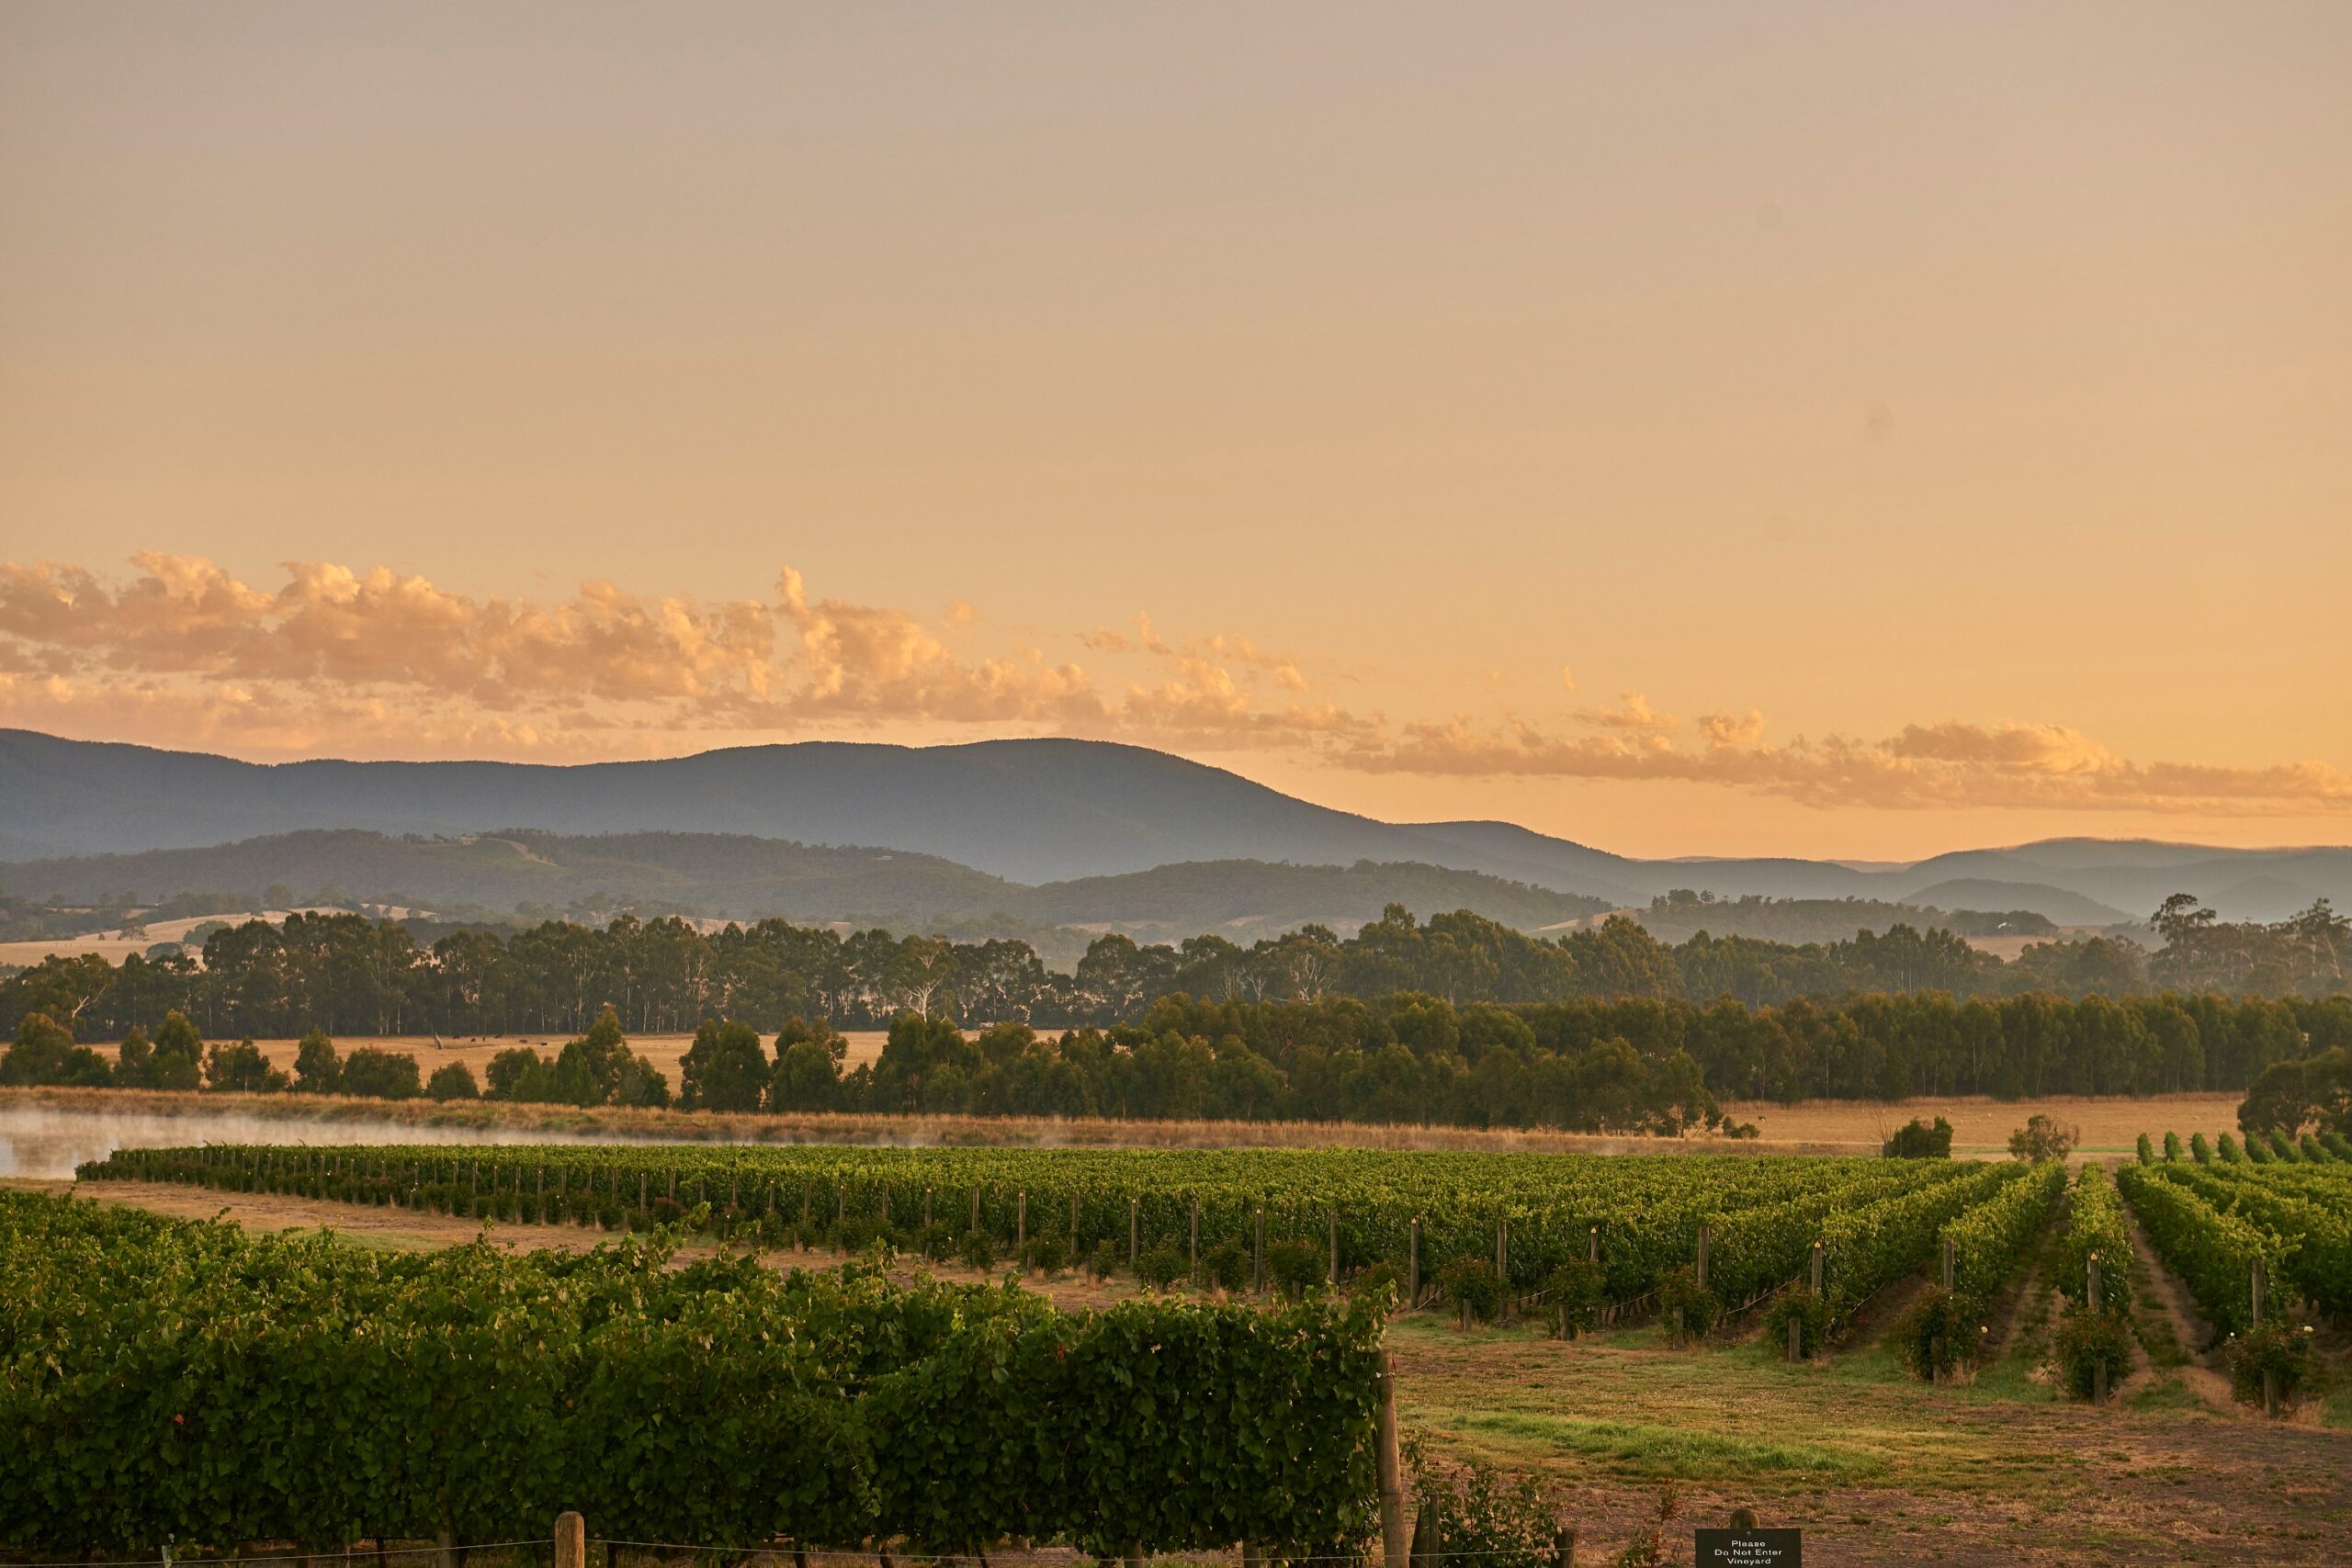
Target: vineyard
<point>2220,1217</point>
<point>173,1381</point>
<point>1737,1228</point>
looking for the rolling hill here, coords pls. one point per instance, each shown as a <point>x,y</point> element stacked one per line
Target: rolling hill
<point>1032,813</point>
<point>734,877</point>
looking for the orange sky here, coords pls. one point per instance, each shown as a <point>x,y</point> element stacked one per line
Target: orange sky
<point>1853,430</point>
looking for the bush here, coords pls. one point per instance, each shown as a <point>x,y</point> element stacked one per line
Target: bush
<point>2147,1150</point>
<point>373,1073</point>
<point>2271,1346</point>
<point>1573,1291</point>
<point>1298,1266</point>
<point>1494,1521</point>
<point>1226,1265</point>
<point>2042,1138</point>
<point>453,1081</point>
<point>2226,1150</point>
<point>2172,1147</point>
<point>1377,1278</point>
<point>1103,1261</point>
<point>2199,1150</point>
<point>1469,1282</point>
<point>1809,1312</point>
<point>1049,1255</point>
<point>1916,1140</point>
<point>2087,1339</point>
<point>1680,1293</point>
<point>1932,1339</point>
<point>1160,1265</point>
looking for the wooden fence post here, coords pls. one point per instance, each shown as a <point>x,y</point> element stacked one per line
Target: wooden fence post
<point>1592,1246</point>
<point>1395,1548</point>
<point>1020,1219</point>
<point>1563,1547</point>
<point>926,1208</point>
<point>1819,1268</point>
<point>1257,1255</point>
<point>1135,1207</point>
<point>570,1541</point>
<point>1413,1266</point>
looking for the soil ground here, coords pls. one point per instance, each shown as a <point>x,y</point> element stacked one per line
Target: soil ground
<point>1876,1467</point>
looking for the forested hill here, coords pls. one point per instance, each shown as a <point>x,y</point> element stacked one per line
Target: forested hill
<point>733,876</point>
<point>1040,810</point>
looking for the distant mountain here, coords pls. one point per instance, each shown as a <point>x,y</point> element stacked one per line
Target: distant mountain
<point>734,877</point>
<point>1034,812</point>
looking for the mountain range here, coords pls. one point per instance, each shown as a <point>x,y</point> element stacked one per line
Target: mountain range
<point>1031,814</point>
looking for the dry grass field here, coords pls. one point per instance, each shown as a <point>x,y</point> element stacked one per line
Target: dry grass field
<point>1875,1467</point>
<point>2111,1124</point>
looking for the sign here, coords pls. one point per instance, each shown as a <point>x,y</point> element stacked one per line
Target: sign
<point>1752,1549</point>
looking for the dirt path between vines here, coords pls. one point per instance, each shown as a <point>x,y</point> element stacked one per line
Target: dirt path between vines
<point>2173,1302</point>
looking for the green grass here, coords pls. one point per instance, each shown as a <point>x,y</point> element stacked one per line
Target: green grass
<point>2167,1393</point>
<point>1659,1452</point>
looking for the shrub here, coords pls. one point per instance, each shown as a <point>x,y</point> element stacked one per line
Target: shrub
<point>1489,1519</point>
<point>374,1073</point>
<point>1103,1261</point>
<point>1049,1255</point>
<point>1809,1312</point>
<point>1226,1265</point>
<point>1470,1283</point>
<point>1160,1265</point>
<point>1680,1293</point>
<point>2226,1150</point>
<point>2199,1150</point>
<point>1931,1338</point>
<point>2147,1150</point>
<point>2088,1339</point>
<point>2172,1147</point>
<point>1298,1266</point>
<point>1377,1278</point>
<point>241,1068</point>
<point>1573,1291</point>
<point>1916,1140</point>
<point>2271,1346</point>
<point>453,1080</point>
<point>2044,1137</point>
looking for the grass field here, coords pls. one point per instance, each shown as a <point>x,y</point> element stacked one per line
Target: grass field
<point>1876,1467</point>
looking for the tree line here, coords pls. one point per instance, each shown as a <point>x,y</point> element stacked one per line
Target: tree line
<point>353,976</point>
<point>1632,1063</point>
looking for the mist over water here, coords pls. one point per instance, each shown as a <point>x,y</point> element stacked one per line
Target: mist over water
<point>47,1143</point>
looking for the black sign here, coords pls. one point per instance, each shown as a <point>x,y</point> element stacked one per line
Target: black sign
<point>1752,1548</point>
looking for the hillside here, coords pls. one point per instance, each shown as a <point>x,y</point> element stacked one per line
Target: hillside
<point>736,877</point>
<point>1035,812</point>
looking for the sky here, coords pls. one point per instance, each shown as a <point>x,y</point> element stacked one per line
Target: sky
<point>1838,430</point>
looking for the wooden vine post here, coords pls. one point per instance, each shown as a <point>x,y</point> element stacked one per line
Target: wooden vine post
<point>1413,1265</point>
<point>1334,1274</point>
<point>2260,1286</point>
<point>1020,1219</point>
<point>1192,1259</point>
<point>1395,1547</point>
<point>1952,1264</point>
<point>1820,1267</point>
<point>1257,1255</point>
<point>2096,1298</point>
<point>570,1541</point>
<point>1502,1268</point>
<point>1134,1228</point>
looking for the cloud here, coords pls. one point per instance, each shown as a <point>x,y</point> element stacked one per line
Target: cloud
<point>1634,713</point>
<point>181,652</point>
<point>1921,767</point>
